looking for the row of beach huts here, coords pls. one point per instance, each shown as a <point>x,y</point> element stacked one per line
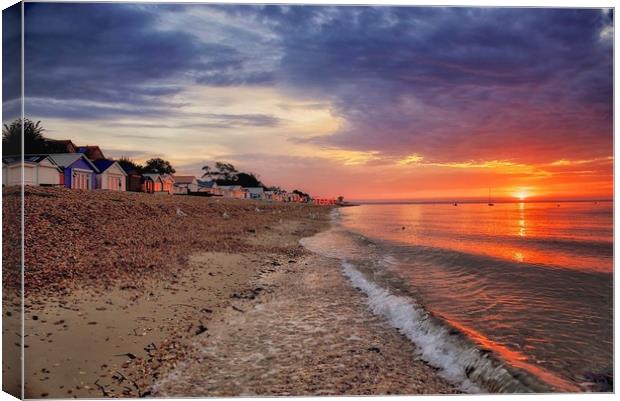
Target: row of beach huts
<point>86,168</point>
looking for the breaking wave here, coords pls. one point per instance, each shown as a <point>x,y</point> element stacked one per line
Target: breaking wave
<point>463,356</point>
<point>460,361</point>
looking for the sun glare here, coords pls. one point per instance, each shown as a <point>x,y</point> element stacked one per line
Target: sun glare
<point>521,194</point>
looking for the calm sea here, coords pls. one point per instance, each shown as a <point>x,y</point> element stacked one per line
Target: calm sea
<point>513,297</point>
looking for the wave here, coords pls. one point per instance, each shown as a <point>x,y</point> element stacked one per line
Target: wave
<point>459,360</point>
<point>462,355</point>
<point>596,247</point>
<point>462,260</point>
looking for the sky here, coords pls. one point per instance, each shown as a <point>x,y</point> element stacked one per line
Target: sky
<point>363,102</point>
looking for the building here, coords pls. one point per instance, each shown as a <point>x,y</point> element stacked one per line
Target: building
<point>63,145</point>
<point>134,181</point>
<point>162,183</point>
<point>92,152</point>
<point>111,175</point>
<point>208,187</point>
<point>324,201</point>
<point>292,197</point>
<point>148,182</point>
<point>230,191</point>
<point>152,183</point>
<point>254,193</point>
<point>184,184</point>
<point>167,183</point>
<point>275,196</point>
<point>78,171</point>
<point>39,170</point>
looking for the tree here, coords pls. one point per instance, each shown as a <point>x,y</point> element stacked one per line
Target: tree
<point>128,165</point>
<point>300,193</point>
<point>227,174</point>
<point>225,171</point>
<point>158,166</point>
<point>207,171</point>
<point>34,141</point>
<point>247,180</point>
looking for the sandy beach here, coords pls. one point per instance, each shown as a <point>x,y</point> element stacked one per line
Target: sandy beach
<point>183,296</point>
<point>222,200</point>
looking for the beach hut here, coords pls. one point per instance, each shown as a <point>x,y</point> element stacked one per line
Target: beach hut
<point>134,180</point>
<point>155,181</point>
<point>231,191</point>
<point>148,181</point>
<point>184,184</point>
<point>111,175</point>
<point>324,201</point>
<point>254,192</point>
<point>274,196</point>
<point>38,170</point>
<point>78,171</point>
<point>207,186</point>
<point>167,183</point>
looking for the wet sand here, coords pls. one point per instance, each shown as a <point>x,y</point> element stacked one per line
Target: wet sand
<point>256,314</point>
<point>307,333</point>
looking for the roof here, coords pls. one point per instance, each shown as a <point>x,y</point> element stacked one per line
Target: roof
<point>28,159</point>
<point>66,159</point>
<point>67,143</point>
<point>230,187</point>
<point>152,176</point>
<point>206,184</point>
<point>184,179</point>
<point>255,190</point>
<point>92,152</point>
<point>129,169</point>
<point>104,164</point>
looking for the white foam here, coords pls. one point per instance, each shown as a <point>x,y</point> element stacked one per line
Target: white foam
<point>433,341</point>
<point>458,359</point>
<point>174,376</point>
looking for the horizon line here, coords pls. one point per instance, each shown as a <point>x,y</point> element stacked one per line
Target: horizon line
<point>474,201</point>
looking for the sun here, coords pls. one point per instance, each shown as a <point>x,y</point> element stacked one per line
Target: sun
<point>521,194</point>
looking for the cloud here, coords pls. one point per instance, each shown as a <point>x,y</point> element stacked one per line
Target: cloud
<point>448,85</point>
<point>119,54</point>
<point>11,62</point>
<point>213,120</point>
<point>88,110</point>
<point>452,83</point>
<point>129,153</point>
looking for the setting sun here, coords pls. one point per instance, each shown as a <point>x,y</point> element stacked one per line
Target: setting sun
<point>522,194</point>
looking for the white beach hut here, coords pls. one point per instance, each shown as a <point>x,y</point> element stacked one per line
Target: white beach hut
<point>38,170</point>
<point>111,175</point>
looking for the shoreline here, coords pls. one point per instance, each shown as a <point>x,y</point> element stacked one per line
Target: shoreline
<point>125,337</point>
<point>308,333</point>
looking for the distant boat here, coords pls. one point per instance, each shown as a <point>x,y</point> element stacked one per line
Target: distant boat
<point>455,204</point>
<point>490,203</point>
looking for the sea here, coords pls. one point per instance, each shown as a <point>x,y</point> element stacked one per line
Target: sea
<point>515,297</point>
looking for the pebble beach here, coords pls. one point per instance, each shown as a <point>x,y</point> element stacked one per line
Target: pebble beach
<point>135,295</point>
